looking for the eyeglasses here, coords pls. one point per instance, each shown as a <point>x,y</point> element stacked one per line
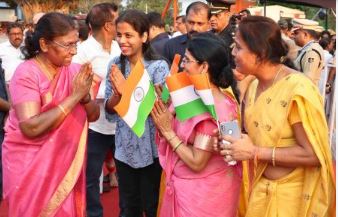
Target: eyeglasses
<point>185,60</point>
<point>67,47</point>
<point>15,34</point>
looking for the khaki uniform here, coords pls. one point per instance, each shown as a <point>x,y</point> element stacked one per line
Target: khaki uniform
<point>293,48</point>
<point>310,61</point>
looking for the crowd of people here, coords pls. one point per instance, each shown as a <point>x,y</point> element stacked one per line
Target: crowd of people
<point>62,79</point>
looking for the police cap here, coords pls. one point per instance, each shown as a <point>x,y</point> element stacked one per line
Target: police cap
<point>217,6</point>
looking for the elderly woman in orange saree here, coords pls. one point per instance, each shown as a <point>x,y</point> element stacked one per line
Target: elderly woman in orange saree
<point>46,132</point>
<point>287,132</point>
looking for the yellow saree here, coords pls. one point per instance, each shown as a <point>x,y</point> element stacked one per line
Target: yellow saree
<point>307,191</point>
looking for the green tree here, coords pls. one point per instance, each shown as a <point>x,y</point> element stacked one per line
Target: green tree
<point>147,5</point>
<point>85,5</point>
<point>30,7</point>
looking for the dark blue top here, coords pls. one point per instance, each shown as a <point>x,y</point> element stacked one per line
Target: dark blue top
<point>174,46</point>
<point>159,42</point>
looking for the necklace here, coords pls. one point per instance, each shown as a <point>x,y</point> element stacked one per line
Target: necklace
<point>273,81</point>
<point>277,75</point>
<point>46,68</point>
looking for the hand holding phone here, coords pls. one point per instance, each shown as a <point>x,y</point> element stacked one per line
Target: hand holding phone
<point>232,129</point>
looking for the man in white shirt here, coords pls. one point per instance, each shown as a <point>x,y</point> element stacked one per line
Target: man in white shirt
<point>10,51</point>
<point>180,26</point>
<point>98,49</point>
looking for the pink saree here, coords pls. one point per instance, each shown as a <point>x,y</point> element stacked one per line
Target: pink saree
<point>45,176</point>
<point>213,192</point>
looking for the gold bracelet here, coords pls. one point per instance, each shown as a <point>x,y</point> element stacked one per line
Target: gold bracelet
<point>62,109</point>
<point>171,138</point>
<point>273,157</point>
<point>178,145</point>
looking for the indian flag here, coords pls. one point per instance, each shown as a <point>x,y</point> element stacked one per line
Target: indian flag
<point>202,86</point>
<point>137,99</point>
<point>186,101</point>
<point>173,70</point>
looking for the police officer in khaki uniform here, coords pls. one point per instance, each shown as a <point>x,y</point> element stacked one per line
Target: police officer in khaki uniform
<point>310,59</point>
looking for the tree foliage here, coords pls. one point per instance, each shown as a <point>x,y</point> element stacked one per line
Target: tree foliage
<point>30,7</point>
<point>147,5</point>
<point>85,5</point>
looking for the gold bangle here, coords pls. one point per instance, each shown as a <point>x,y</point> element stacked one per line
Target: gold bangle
<point>171,138</point>
<point>62,109</point>
<point>273,157</point>
<point>178,145</point>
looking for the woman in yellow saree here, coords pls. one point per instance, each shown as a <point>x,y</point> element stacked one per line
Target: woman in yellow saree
<point>287,132</point>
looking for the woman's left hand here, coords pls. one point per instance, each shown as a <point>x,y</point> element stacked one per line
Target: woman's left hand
<point>162,118</point>
<point>238,149</point>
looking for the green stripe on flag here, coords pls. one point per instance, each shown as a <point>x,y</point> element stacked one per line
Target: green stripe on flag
<point>191,109</point>
<point>165,94</point>
<point>144,111</point>
<point>212,111</point>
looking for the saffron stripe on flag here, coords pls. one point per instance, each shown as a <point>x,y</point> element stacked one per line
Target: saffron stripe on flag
<point>203,89</point>
<point>173,70</point>
<point>185,98</point>
<point>130,83</point>
<point>178,81</point>
<point>174,66</point>
<point>200,81</point>
<point>130,116</point>
<point>138,100</point>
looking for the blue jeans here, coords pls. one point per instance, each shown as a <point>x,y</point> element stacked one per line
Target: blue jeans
<point>98,147</point>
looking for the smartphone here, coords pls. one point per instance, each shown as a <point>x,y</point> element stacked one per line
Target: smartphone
<point>232,129</point>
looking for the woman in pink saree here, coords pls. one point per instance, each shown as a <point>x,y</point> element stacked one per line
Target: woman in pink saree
<point>45,141</point>
<point>198,181</point>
